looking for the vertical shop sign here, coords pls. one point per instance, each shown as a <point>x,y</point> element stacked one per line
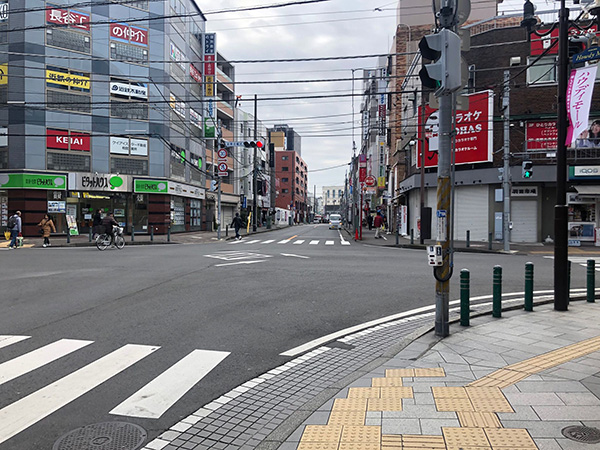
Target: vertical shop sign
<point>210,55</point>
<point>579,99</point>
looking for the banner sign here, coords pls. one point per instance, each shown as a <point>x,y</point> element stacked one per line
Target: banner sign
<point>579,99</point>
<point>541,135</point>
<point>128,146</point>
<point>129,90</point>
<point>130,34</point>
<point>65,140</point>
<point>177,105</point>
<point>32,181</point>
<point>3,74</point>
<point>68,17</point>
<point>195,74</point>
<point>67,79</point>
<point>474,129</point>
<point>178,56</point>
<point>540,44</point>
<point>79,181</point>
<point>209,86</point>
<point>195,118</point>
<point>3,12</point>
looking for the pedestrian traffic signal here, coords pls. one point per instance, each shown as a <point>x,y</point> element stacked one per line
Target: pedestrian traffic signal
<point>444,72</point>
<point>527,169</point>
<point>253,144</point>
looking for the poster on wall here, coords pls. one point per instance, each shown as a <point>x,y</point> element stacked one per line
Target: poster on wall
<point>474,129</point>
<point>72,224</point>
<point>57,206</point>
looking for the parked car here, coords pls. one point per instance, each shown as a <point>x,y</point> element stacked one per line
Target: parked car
<point>335,221</point>
<point>317,218</point>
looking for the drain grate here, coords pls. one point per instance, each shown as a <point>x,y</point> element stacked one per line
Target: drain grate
<point>586,435</point>
<point>103,436</point>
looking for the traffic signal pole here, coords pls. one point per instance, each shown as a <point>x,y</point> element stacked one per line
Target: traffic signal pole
<point>254,177</point>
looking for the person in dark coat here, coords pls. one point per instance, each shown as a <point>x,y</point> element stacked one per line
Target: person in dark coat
<point>47,226</point>
<point>108,223</point>
<point>237,223</point>
<point>97,223</point>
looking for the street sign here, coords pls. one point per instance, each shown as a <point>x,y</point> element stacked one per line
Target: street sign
<point>222,153</point>
<point>222,168</point>
<point>362,174</point>
<point>370,181</point>
<point>590,54</point>
<point>234,144</point>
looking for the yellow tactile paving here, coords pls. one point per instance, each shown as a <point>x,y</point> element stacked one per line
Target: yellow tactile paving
<point>322,433</point>
<point>453,404</point>
<point>318,446</point>
<point>478,420</point>
<point>423,442</point>
<point>359,446</point>
<point>434,372</point>
<point>382,382</point>
<point>391,442</point>
<point>365,434</point>
<point>465,437</point>
<point>350,404</point>
<point>484,392</point>
<point>364,392</point>
<point>399,373</point>
<point>508,438</point>
<point>396,392</point>
<point>481,404</point>
<point>347,417</point>
<point>449,392</point>
<point>384,404</point>
<point>471,448</point>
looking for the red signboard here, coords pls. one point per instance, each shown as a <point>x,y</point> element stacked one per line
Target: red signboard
<point>362,174</point>
<point>474,132</point>
<point>68,17</point>
<point>370,181</point>
<point>124,32</point>
<point>63,140</point>
<point>541,135</point>
<point>195,74</point>
<point>540,44</point>
<point>209,65</point>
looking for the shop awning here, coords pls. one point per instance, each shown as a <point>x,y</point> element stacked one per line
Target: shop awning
<point>593,191</point>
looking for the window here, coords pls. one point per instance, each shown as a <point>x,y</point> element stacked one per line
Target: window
<point>128,43</point>
<point>67,150</point>
<point>285,169</point>
<point>141,4</point>
<point>284,158</point>
<point>128,99</point>
<point>70,29</point>
<point>68,90</point>
<point>285,180</point>
<point>178,156</point>
<point>543,71</point>
<point>285,191</point>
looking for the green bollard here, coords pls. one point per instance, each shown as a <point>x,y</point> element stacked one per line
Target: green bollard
<point>569,282</point>
<point>489,241</point>
<point>529,286</point>
<point>151,234</point>
<point>497,292</point>
<point>591,281</point>
<point>68,236</point>
<point>412,236</point>
<point>464,297</point>
<point>132,234</point>
<point>169,234</point>
<point>90,235</point>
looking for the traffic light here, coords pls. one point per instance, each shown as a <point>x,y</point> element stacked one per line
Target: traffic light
<point>444,72</point>
<point>527,169</point>
<point>253,144</point>
<point>214,185</point>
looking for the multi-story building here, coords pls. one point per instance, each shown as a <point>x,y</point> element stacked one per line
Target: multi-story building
<point>102,110</point>
<point>332,199</point>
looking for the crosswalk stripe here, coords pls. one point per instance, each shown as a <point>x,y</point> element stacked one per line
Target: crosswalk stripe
<point>345,243</point>
<point>313,243</point>
<point>38,358</point>
<point>299,242</point>
<point>5,341</point>
<point>329,242</point>
<point>252,242</point>
<point>236,242</point>
<point>23,413</point>
<point>285,241</point>
<point>161,393</point>
<point>269,241</point>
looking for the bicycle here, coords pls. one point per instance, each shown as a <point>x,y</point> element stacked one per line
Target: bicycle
<point>103,240</point>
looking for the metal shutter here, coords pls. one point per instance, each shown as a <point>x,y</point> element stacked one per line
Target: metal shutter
<point>471,212</point>
<point>524,218</point>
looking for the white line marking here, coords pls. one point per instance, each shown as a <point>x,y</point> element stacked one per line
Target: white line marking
<point>37,358</point>
<point>20,415</point>
<point>252,242</point>
<point>346,243</point>
<point>285,241</point>
<point>239,241</point>
<point>295,256</point>
<point>329,242</point>
<point>298,242</point>
<point>313,243</point>
<point>164,391</point>
<point>269,241</point>
<point>5,341</point>
<point>237,263</point>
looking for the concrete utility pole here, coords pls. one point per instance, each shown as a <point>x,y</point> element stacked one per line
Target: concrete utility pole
<point>254,174</point>
<point>506,166</point>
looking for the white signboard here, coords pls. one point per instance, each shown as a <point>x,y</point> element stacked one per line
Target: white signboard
<point>129,90</point>
<point>139,147</point>
<point>3,12</point>
<point>186,190</point>
<point>108,182</point>
<point>3,137</point>
<point>119,145</point>
<point>586,171</point>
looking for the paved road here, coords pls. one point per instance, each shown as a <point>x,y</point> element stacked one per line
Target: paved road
<point>149,334</point>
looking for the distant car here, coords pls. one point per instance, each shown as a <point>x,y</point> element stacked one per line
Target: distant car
<point>317,219</point>
<point>335,221</point>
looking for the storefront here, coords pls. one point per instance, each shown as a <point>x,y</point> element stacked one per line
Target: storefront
<point>583,204</point>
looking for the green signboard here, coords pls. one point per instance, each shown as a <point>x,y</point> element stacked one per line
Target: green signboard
<point>32,181</point>
<point>209,128</point>
<point>151,186</point>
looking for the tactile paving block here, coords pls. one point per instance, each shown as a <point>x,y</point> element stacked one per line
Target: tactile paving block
<point>510,438</point>
<point>423,442</point>
<point>465,437</point>
<point>449,392</point>
<point>322,433</point>
<point>400,373</point>
<point>479,420</point>
<point>368,434</point>
<point>433,372</point>
<point>364,392</point>
<point>347,418</point>
<point>396,392</point>
<point>453,404</point>
<point>481,404</point>
<point>484,392</point>
<point>350,404</point>
<point>470,448</point>
<point>382,382</point>
<point>384,404</point>
<point>318,446</point>
<point>359,446</point>
<point>391,439</point>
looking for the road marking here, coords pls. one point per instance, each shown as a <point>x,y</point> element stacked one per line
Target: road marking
<point>20,415</point>
<point>33,360</point>
<point>295,256</point>
<point>237,263</point>
<point>285,241</point>
<point>268,242</point>
<point>329,242</point>
<point>254,241</point>
<point>299,242</point>
<point>343,241</point>
<point>239,241</point>
<point>236,255</point>
<point>154,399</point>
<point>5,341</point>
<point>313,243</point>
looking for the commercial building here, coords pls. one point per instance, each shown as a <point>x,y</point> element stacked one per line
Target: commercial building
<point>105,108</point>
<point>332,199</point>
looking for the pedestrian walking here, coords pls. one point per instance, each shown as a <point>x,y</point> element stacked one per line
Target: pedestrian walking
<point>97,223</point>
<point>237,224</point>
<point>14,226</point>
<point>378,223</point>
<point>370,221</point>
<point>46,227</point>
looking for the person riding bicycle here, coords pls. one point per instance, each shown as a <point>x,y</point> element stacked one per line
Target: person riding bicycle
<point>108,222</point>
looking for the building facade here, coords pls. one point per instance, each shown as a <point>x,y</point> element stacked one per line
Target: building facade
<point>332,199</point>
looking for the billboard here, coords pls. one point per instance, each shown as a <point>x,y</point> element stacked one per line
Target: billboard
<point>474,132</point>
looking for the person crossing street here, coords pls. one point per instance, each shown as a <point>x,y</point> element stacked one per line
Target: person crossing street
<point>237,223</point>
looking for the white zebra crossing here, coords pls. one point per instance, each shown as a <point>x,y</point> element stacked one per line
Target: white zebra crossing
<point>299,242</point>
<point>313,243</point>
<point>5,341</point>
<point>582,260</point>
<point>292,241</point>
<point>329,242</point>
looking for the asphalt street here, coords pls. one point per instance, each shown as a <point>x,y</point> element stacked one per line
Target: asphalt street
<point>223,311</point>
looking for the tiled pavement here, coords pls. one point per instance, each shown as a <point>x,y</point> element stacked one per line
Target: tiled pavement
<point>502,384</point>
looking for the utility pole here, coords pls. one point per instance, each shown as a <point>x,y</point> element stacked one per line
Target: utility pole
<point>422,174</point>
<point>506,166</point>
<point>272,166</point>
<point>220,136</point>
<point>254,174</point>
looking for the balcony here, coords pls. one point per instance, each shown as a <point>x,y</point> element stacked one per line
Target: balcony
<point>224,108</point>
<point>224,80</point>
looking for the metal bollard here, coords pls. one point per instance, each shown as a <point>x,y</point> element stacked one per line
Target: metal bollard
<point>397,236</point>
<point>569,282</point>
<point>412,236</point>
<point>468,238</point>
<point>90,235</point>
<point>226,230</point>
<point>591,281</point>
<point>489,241</point>
<point>151,234</point>
<point>169,234</point>
<point>464,297</point>
<point>529,286</point>
<point>497,292</point>
<point>68,236</point>
<point>132,234</point>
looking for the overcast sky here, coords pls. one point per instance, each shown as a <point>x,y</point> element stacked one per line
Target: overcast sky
<point>331,28</point>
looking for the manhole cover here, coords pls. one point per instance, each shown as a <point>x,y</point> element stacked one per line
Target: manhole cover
<point>103,436</point>
<point>586,435</point>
